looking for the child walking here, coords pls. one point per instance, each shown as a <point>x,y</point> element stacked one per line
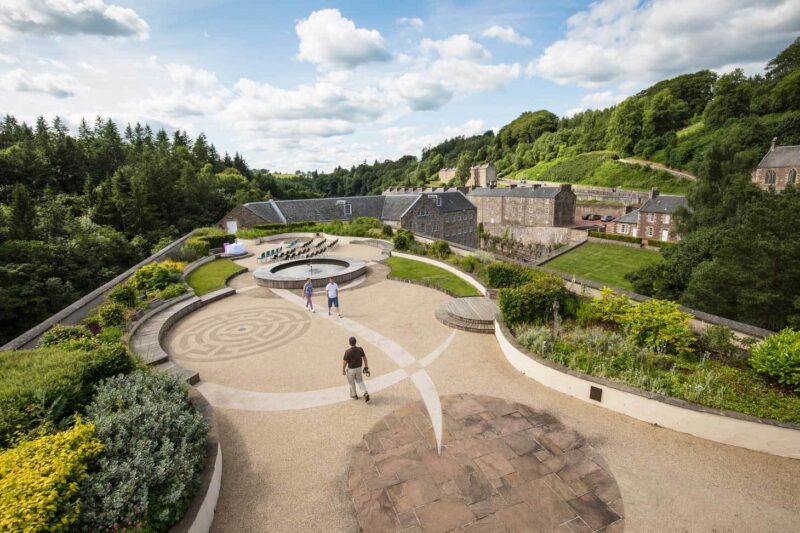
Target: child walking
<point>308,290</point>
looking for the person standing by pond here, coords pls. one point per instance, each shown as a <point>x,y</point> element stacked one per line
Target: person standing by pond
<point>333,296</point>
<point>354,365</point>
<point>308,290</point>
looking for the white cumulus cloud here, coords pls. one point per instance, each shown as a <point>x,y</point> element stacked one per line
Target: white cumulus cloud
<point>190,92</point>
<point>459,46</point>
<point>21,80</point>
<point>69,17</point>
<point>507,34</point>
<point>413,22</point>
<point>631,42</point>
<point>331,41</point>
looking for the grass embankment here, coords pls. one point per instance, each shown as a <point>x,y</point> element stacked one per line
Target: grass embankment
<point>601,170</point>
<point>604,263</point>
<point>211,276</point>
<point>416,271</point>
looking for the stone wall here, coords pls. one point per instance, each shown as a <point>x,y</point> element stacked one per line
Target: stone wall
<point>600,209</point>
<point>245,219</point>
<point>781,177</point>
<point>537,235</point>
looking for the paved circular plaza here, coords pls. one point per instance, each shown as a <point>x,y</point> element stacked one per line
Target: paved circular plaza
<point>504,467</point>
<point>292,439</point>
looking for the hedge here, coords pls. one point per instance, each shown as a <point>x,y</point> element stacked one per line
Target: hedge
<point>532,302</point>
<point>157,276</point>
<point>614,237</point>
<point>154,445</point>
<point>501,275</point>
<point>48,384</point>
<point>40,480</point>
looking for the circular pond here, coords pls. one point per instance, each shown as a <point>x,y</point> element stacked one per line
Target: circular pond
<point>292,274</point>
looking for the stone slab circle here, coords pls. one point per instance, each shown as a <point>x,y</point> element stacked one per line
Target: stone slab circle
<point>354,268</point>
<point>503,467</point>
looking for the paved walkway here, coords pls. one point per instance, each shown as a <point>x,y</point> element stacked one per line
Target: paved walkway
<point>286,470</point>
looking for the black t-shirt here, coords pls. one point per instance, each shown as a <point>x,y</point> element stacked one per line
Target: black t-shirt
<point>353,356</point>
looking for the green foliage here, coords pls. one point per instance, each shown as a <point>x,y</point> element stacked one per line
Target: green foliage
<point>40,480</point>
<point>615,237</point>
<point>720,341</point>
<point>660,326</point>
<point>197,247</point>
<point>215,237</point>
<point>533,302</point>
<point>156,276</point>
<point>732,94</point>
<point>211,276</point>
<point>527,128</point>
<point>778,356</point>
<point>430,275</point>
<point>60,334</point>
<point>172,291</point>
<point>48,384</point>
<point>386,230</point>
<point>575,169</point>
<point>612,355</point>
<point>153,450</point>
<point>440,249</point>
<point>610,310</point>
<point>501,275</point>
<point>123,294</point>
<point>112,314</point>
<point>403,239</point>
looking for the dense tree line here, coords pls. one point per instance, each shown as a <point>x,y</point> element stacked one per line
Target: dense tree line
<point>76,210</point>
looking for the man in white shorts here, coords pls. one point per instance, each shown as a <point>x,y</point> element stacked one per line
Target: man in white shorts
<point>333,296</point>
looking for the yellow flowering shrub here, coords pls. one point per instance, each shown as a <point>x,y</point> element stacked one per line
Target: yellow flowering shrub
<point>40,480</point>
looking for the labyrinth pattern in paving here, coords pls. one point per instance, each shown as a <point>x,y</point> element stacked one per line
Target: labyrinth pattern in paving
<point>242,333</point>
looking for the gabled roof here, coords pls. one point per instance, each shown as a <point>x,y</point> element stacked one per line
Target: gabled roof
<point>517,192</point>
<point>454,201</point>
<point>322,209</point>
<point>267,211</point>
<point>394,205</point>
<point>781,156</point>
<point>663,204</point>
<point>631,217</point>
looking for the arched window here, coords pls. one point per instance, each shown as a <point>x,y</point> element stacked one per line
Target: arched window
<point>769,179</point>
<point>793,176</point>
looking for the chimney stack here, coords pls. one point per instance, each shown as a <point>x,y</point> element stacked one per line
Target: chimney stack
<point>774,142</point>
<point>653,193</point>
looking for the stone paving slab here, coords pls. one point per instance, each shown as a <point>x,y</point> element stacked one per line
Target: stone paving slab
<point>503,467</point>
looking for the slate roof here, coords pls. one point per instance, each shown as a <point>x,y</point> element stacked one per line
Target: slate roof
<point>781,156</point>
<point>384,207</point>
<point>631,217</point>
<point>394,205</point>
<point>517,192</point>
<point>267,211</point>
<point>663,204</point>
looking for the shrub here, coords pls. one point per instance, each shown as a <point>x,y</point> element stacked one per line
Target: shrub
<point>483,257</point>
<point>387,230</point>
<point>60,334</point>
<point>610,309</point>
<point>500,275</point>
<point>532,302</point>
<point>660,326</point>
<point>172,291</point>
<point>403,239</point>
<point>538,339</point>
<point>719,340</point>
<point>440,249</point>
<point>468,263</point>
<point>112,314</point>
<point>156,276</point>
<point>40,480</point>
<point>154,445</point>
<point>123,294</point>
<point>196,246</point>
<point>615,237</point>
<point>48,384</point>
<point>778,356</point>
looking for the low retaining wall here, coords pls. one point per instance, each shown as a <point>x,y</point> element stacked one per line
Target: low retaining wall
<point>726,427</point>
<point>444,266</point>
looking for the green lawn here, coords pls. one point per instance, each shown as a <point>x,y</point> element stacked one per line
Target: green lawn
<point>604,263</point>
<point>211,276</point>
<point>431,275</point>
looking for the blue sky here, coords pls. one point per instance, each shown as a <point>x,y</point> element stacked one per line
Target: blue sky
<point>312,85</point>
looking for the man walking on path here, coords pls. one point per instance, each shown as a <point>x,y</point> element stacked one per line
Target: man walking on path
<point>308,290</point>
<point>351,367</point>
<point>333,296</point>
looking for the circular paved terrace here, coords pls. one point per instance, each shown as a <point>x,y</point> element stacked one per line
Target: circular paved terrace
<point>289,432</point>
